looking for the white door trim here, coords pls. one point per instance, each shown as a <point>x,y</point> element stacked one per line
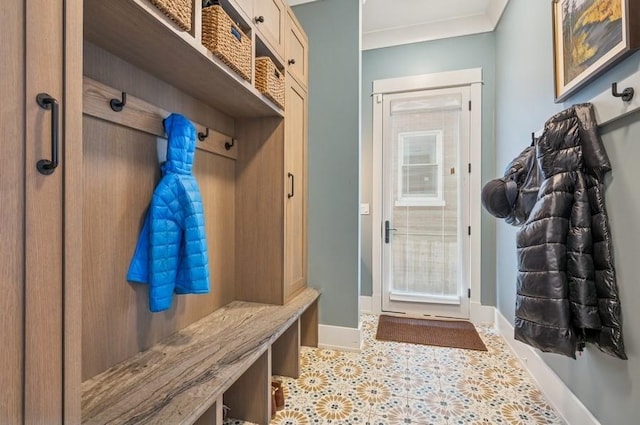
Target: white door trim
<point>473,79</point>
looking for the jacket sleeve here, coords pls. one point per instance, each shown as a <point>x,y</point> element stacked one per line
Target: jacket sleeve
<point>580,265</point>
<point>165,236</point>
<point>139,266</point>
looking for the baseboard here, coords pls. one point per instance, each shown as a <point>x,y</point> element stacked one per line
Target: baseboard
<point>339,338</point>
<point>365,304</point>
<point>555,390</point>
<point>479,313</point>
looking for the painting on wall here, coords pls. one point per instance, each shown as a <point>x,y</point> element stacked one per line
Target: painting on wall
<point>590,36</point>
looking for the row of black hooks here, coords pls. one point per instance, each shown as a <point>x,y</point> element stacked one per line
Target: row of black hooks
<point>117,105</point>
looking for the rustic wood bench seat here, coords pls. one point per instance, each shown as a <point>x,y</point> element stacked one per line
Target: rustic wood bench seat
<point>179,379</point>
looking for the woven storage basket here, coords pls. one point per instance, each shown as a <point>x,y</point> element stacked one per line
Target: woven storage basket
<point>270,81</point>
<point>226,40</point>
<point>178,10</point>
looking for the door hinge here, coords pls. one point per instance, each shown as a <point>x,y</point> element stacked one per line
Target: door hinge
<point>378,98</point>
<point>469,168</point>
<point>469,105</point>
<point>469,230</point>
<point>469,293</point>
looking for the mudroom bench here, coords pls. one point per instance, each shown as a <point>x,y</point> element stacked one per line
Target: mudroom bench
<point>225,358</point>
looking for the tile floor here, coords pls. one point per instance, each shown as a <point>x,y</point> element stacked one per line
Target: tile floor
<point>394,383</point>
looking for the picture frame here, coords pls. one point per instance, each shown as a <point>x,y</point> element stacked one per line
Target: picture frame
<point>590,37</point>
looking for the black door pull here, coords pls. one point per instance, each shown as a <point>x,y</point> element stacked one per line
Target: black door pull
<point>46,166</point>
<point>387,229</point>
<point>290,195</point>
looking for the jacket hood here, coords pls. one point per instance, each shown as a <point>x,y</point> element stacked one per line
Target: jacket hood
<point>571,141</point>
<point>181,146</point>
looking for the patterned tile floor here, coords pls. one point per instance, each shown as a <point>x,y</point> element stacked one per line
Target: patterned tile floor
<point>390,383</point>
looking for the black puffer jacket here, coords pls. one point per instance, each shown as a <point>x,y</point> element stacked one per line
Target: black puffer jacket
<point>566,288</point>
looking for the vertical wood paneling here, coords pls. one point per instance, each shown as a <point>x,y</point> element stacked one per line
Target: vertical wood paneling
<point>295,249</point>
<point>120,173</point>
<point>249,398</point>
<point>72,157</point>
<point>44,243</point>
<point>12,211</point>
<point>260,211</point>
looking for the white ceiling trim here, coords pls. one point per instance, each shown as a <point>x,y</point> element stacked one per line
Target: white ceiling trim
<point>434,30</point>
<point>495,10</point>
<point>426,32</point>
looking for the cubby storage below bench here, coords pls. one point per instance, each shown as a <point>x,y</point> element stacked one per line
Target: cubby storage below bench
<point>185,375</point>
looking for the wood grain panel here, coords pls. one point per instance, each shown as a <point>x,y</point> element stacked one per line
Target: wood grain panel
<point>120,173</point>
<point>43,357</point>
<point>181,377</point>
<point>309,326</point>
<point>285,353</point>
<point>12,122</point>
<point>140,115</point>
<point>72,166</point>
<point>295,146</point>
<point>249,398</point>
<point>296,46</point>
<point>260,211</point>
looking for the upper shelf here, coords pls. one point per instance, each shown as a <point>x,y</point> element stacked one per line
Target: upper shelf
<point>140,34</point>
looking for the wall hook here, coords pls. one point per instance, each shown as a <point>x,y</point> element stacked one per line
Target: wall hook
<point>202,136</point>
<point>117,104</point>
<point>626,95</point>
<point>228,145</point>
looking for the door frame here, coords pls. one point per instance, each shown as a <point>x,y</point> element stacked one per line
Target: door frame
<point>466,77</point>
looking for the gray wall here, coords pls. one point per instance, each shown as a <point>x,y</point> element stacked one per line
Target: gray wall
<point>334,156</point>
<point>451,54</point>
<point>608,387</point>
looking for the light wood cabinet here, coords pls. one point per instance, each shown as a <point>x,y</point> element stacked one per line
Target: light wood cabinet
<point>41,53</point>
<point>296,56</point>
<point>271,258</point>
<point>295,214</point>
<point>269,17</point>
<point>67,311</point>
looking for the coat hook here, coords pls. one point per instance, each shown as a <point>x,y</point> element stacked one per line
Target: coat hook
<point>117,104</point>
<point>626,95</point>
<point>228,145</point>
<point>202,136</point>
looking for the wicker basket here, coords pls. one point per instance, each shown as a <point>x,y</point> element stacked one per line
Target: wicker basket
<point>178,10</point>
<point>270,81</point>
<point>226,40</point>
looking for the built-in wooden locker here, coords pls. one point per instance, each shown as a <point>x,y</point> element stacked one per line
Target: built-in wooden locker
<point>40,119</point>
<point>295,216</point>
<point>67,311</point>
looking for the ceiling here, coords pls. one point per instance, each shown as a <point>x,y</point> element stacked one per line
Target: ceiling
<point>411,21</point>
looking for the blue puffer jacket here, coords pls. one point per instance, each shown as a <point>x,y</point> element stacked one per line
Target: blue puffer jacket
<point>171,253</point>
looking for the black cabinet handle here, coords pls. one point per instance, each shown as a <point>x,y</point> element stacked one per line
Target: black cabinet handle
<point>293,181</point>
<point>259,19</point>
<point>46,166</point>
<point>291,61</point>
<point>387,229</point>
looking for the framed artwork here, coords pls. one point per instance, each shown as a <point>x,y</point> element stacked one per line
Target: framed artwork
<point>589,37</point>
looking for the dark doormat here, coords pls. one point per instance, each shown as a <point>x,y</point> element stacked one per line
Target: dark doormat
<point>443,333</point>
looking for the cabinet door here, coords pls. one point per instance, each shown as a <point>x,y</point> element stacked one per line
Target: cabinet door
<point>269,16</point>
<point>295,262</point>
<point>42,51</point>
<point>12,212</point>
<point>296,51</point>
<point>246,6</point>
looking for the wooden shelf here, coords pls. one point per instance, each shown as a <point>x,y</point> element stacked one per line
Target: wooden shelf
<point>140,34</point>
<point>179,379</point>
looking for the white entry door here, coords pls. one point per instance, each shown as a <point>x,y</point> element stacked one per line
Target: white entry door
<point>425,211</point>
